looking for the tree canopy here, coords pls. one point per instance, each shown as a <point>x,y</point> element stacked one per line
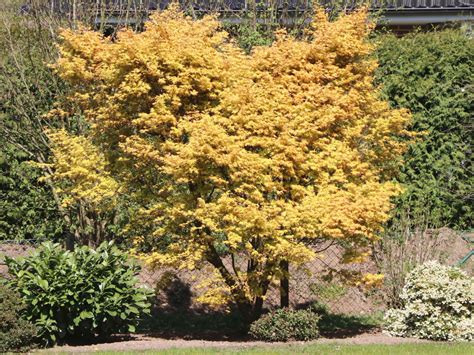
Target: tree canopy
<point>238,161</point>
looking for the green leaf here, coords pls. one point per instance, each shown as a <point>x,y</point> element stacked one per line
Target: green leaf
<point>133,309</point>
<point>86,315</point>
<point>112,313</point>
<point>43,284</point>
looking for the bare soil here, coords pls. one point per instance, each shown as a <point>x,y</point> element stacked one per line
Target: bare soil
<point>147,342</point>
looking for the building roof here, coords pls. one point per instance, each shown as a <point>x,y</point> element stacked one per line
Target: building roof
<point>393,12</point>
<point>239,5</point>
<point>391,5</point>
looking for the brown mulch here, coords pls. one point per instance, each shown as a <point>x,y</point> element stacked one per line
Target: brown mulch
<point>143,342</point>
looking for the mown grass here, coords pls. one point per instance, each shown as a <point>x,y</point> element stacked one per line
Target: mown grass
<point>326,349</point>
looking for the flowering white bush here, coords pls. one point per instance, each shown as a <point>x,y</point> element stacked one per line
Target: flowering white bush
<point>438,304</point>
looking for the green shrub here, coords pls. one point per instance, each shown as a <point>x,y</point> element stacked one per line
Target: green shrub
<point>285,324</point>
<point>438,304</point>
<point>80,293</point>
<point>16,334</point>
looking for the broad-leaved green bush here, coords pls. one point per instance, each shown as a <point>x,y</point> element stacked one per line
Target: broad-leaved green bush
<point>285,324</point>
<point>16,333</point>
<point>438,304</point>
<point>82,293</point>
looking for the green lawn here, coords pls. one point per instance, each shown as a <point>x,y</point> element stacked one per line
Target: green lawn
<point>402,349</point>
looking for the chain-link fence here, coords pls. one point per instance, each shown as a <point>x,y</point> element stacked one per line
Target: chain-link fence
<point>308,283</point>
<point>14,249</point>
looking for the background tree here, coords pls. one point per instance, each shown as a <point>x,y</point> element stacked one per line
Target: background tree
<point>27,209</point>
<point>237,161</point>
<point>30,205</point>
<point>432,74</point>
<point>27,90</point>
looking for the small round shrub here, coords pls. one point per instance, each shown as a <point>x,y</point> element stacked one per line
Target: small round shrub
<point>285,324</point>
<point>437,304</point>
<point>16,333</point>
<point>82,293</point>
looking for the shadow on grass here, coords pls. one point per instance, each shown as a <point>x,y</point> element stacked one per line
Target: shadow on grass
<point>340,325</point>
<point>343,326</point>
<point>202,324</point>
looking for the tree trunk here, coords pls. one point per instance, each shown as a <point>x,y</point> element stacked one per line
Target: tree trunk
<point>249,311</point>
<point>69,241</point>
<point>284,285</point>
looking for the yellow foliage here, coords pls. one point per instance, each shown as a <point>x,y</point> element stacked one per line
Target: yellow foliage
<point>83,167</point>
<point>355,256</point>
<point>214,292</point>
<point>234,156</point>
<point>371,280</point>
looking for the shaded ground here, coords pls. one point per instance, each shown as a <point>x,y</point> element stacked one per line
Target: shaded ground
<point>168,329</point>
<point>211,325</point>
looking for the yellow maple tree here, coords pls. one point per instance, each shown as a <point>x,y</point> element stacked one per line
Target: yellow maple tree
<point>237,161</point>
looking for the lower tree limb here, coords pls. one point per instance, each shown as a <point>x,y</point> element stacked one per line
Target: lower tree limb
<point>243,303</point>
